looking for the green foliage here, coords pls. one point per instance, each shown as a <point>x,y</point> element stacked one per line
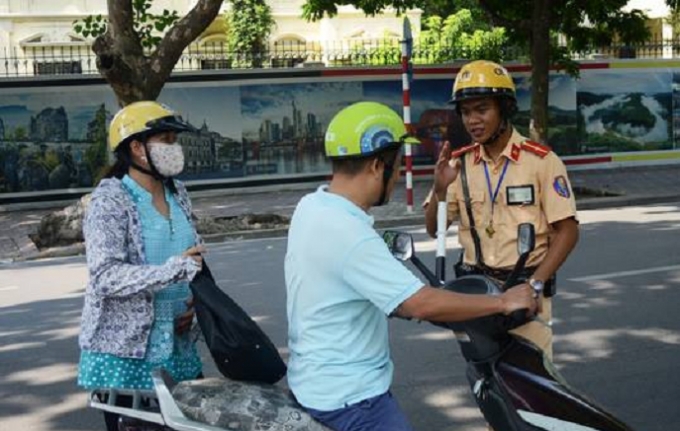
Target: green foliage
<point>387,52</point>
<point>449,7</point>
<point>148,26</point>
<point>90,26</point>
<point>96,156</point>
<point>250,24</point>
<point>584,23</point>
<point>456,37</point>
<point>20,134</point>
<point>49,161</point>
<point>609,142</point>
<point>46,160</point>
<point>607,23</point>
<point>561,58</point>
<point>459,36</point>
<point>314,10</point>
<point>630,111</point>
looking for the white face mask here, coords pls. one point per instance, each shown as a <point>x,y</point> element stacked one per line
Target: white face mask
<point>167,158</point>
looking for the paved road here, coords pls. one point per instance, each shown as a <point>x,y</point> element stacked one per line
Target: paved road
<point>616,324</point>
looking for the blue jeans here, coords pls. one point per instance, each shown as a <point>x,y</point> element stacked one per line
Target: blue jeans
<point>381,413</point>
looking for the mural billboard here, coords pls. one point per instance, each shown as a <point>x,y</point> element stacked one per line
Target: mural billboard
<point>54,137</point>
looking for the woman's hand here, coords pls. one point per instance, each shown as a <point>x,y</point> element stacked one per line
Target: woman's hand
<point>195,253</point>
<point>184,321</point>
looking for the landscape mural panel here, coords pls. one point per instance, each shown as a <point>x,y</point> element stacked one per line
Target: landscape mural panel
<point>53,138</point>
<point>625,110</point>
<point>563,136</point>
<point>676,109</point>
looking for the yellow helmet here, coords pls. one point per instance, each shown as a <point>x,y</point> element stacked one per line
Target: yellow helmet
<point>142,118</point>
<point>482,78</point>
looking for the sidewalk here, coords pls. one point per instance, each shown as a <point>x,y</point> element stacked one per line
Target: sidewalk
<point>631,186</point>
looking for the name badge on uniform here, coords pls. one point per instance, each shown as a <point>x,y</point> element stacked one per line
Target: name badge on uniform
<point>520,195</point>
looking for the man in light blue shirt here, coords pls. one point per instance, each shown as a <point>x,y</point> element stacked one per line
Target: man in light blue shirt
<point>342,282</point>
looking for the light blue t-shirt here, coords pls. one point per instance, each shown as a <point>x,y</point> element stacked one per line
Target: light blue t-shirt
<point>342,283</point>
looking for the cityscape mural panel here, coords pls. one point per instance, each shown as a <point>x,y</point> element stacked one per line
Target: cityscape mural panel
<point>284,124</point>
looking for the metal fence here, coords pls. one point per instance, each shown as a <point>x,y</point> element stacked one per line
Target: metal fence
<point>77,58</point>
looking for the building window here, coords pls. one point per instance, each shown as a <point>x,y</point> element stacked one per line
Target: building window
<point>57,67</point>
<point>289,52</point>
<point>224,63</point>
<point>212,52</point>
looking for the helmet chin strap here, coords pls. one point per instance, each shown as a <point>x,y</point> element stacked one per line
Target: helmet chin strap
<point>387,175</point>
<point>502,127</point>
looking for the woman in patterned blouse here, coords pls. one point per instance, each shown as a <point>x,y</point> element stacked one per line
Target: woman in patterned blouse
<point>142,252</point>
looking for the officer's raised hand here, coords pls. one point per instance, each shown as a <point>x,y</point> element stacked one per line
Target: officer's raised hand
<point>445,172</point>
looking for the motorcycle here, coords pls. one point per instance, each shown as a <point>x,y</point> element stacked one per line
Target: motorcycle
<point>214,404</point>
<point>515,385</point>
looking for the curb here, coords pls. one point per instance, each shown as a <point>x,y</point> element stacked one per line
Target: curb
<point>405,220</point>
<point>625,201</point>
<point>65,251</point>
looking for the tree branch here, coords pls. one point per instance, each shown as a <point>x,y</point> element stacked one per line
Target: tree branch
<point>121,28</point>
<point>181,35</point>
<point>117,72</point>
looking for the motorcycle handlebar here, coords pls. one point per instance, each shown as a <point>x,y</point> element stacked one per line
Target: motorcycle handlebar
<point>431,278</point>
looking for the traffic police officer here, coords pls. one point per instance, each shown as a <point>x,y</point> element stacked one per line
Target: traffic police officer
<point>511,181</point>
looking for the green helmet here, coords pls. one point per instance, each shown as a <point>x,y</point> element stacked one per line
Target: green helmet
<point>363,129</point>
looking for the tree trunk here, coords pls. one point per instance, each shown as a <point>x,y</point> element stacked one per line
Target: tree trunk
<point>121,60</point>
<point>128,74</point>
<point>540,69</point>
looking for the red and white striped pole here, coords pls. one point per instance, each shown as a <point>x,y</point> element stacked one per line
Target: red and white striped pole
<point>406,49</point>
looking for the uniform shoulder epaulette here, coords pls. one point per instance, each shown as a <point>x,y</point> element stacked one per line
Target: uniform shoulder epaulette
<point>540,150</point>
<point>466,149</point>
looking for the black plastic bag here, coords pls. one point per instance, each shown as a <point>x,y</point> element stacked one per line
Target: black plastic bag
<point>238,346</point>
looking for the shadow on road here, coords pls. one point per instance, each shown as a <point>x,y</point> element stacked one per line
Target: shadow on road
<point>38,363</point>
<point>617,338</point>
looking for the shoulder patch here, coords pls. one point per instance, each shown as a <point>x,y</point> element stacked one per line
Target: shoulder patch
<point>561,186</point>
<point>466,149</point>
<point>536,148</point>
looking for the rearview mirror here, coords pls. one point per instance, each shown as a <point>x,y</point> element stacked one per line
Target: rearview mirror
<point>400,244</point>
<point>526,238</point>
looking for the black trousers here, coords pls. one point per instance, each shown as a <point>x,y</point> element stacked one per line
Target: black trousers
<point>112,419</point>
<point>116,422</point>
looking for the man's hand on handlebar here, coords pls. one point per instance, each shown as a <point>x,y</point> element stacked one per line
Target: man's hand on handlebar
<point>521,297</point>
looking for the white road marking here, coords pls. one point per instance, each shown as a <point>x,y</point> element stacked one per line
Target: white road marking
<point>7,288</point>
<point>625,273</point>
<point>551,424</point>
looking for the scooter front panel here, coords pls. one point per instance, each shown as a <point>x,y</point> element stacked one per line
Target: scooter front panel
<point>543,398</point>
